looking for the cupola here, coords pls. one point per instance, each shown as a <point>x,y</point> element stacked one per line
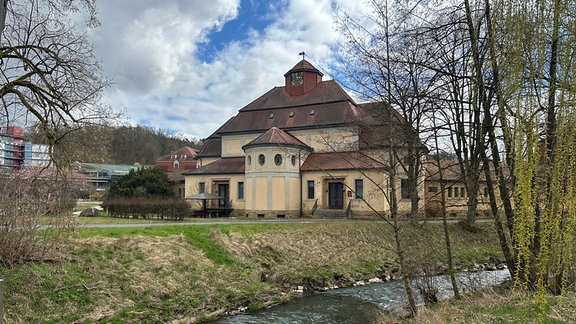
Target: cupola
<point>302,78</point>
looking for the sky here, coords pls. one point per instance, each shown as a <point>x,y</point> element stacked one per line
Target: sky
<point>187,66</point>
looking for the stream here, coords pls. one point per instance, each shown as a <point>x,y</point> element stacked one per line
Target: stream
<point>362,304</point>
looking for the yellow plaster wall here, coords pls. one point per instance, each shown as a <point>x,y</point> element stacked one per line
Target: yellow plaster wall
<point>261,194</point>
<point>207,160</point>
<point>455,204</point>
<point>278,192</point>
<point>192,185</point>
<point>373,196</point>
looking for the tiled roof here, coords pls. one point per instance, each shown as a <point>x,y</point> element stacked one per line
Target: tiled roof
<point>326,92</point>
<point>327,105</point>
<point>451,170</point>
<point>382,126</point>
<point>187,151</point>
<point>303,66</point>
<point>276,136</point>
<point>339,161</point>
<point>234,165</point>
<point>212,147</point>
<point>320,115</point>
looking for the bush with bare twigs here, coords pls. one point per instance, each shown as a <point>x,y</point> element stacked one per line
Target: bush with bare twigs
<point>25,197</point>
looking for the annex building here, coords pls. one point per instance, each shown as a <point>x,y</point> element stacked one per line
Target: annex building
<point>304,148</point>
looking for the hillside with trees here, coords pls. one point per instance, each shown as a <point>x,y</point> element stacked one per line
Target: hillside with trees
<point>114,145</point>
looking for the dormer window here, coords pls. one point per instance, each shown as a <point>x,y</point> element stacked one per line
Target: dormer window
<point>291,114</point>
<point>183,156</point>
<point>312,112</point>
<point>173,156</point>
<point>271,116</point>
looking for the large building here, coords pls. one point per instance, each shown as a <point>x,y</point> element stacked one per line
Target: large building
<point>16,152</point>
<point>305,148</point>
<point>175,163</point>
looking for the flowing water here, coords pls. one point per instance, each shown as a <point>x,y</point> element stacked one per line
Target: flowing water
<point>362,304</point>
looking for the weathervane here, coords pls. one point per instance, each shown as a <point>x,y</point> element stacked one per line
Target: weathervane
<point>303,54</point>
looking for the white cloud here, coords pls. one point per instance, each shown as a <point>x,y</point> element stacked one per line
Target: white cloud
<point>149,48</point>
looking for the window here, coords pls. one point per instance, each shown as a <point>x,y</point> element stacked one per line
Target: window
<point>432,189</point>
<point>291,114</point>
<point>359,188</point>
<point>240,190</point>
<point>310,184</point>
<point>462,192</point>
<point>261,159</point>
<point>176,165</point>
<point>485,191</point>
<point>404,189</point>
<point>183,156</point>
<point>277,159</point>
<point>201,187</point>
<point>271,116</point>
<point>249,160</point>
<point>449,192</point>
<point>455,192</point>
<point>293,159</point>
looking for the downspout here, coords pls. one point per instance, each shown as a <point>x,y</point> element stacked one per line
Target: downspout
<point>301,183</point>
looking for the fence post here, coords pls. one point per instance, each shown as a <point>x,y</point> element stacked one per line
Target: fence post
<point>1,304</point>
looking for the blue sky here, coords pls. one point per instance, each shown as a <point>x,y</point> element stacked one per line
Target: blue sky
<point>187,66</point>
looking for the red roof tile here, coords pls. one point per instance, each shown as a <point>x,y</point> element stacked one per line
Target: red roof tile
<point>276,136</point>
<point>327,105</point>
<point>451,170</point>
<point>339,161</point>
<point>188,152</point>
<point>212,147</point>
<point>234,165</point>
<point>303,66</point>
<point>326,92</point>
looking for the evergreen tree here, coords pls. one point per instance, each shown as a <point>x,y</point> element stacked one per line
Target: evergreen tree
<point>142,183</point>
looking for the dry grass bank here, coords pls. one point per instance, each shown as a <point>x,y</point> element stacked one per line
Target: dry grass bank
<point>195,273</point>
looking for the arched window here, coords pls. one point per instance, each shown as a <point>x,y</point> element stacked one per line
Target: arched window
<point>278,159</point>
<point>176,165</point>
<point>249,160</point>
<point>293,159</point>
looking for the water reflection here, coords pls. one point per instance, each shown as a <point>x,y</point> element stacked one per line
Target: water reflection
<point>317,308</point>
<point>363,304</point>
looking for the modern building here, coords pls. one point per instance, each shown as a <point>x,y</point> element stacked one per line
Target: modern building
<point>16,152</point>
<point>175,163</point>
<point>100,176</point>
<point>304,148</point>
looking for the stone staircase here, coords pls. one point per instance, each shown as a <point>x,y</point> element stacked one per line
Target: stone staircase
<point>330,213</point>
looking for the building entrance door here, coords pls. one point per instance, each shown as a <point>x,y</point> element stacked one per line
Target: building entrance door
<point>224,192</point>
<point>335,195</point>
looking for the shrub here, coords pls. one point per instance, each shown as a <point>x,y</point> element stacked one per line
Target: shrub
<point>172,209</point>
<point>24,197</point>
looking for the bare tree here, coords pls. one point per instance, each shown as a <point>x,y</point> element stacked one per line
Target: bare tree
<point>383,66</point>
<point>50,77</point>
<point>48,70</point>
